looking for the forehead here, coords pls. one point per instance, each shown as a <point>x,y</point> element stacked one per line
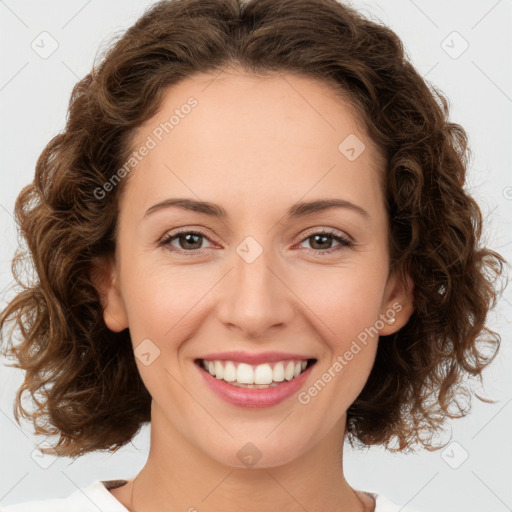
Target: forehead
<point>247,137</point>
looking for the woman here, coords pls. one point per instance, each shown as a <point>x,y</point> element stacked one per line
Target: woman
<point>254,234</point>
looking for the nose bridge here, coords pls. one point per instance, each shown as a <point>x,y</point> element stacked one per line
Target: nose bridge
<point>254,298</point>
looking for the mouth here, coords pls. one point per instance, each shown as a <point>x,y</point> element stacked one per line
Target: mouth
<point>255,376</point>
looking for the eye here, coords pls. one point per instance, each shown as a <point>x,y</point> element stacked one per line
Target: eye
<point>321,241</point>
<point>188,241</point>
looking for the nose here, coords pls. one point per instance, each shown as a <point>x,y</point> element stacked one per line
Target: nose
<point>255,297</point>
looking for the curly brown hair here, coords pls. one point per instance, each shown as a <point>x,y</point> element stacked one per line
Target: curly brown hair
<point>82,377</point>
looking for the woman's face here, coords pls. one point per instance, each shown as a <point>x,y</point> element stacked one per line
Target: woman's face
<point>259,286</point>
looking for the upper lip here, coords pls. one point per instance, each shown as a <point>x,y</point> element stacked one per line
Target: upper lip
<point>260,358</point>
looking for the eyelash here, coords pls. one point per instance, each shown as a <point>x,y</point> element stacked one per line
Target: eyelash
<point>343,241</point>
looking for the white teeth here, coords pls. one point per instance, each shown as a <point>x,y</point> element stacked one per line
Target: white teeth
<point>263,374</point>
<point>258,376</point>
<point>219,370</point>
<point>245,374</point>
<point>229,372</point>
<point>288,371</point>
<point>279,372</point>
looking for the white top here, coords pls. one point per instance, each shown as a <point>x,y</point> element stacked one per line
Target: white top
<point>98,497</point>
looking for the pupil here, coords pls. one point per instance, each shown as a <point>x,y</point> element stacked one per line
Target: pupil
<point>316,237</point>
<point>187,240</point>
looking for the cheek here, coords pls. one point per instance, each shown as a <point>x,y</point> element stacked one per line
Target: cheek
<point>161,301</point>
<point>346,304</point>
<point>347,299</point>
<point>347,326</point>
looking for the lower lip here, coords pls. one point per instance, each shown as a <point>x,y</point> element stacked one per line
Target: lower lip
<point>251,397</point>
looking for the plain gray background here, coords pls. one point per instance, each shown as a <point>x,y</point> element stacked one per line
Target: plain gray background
<point>473,473</point>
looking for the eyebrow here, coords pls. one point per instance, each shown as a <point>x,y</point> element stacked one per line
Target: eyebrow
<point>297,210</point>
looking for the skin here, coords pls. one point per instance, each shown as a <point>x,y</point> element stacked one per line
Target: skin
<point>255,146</point>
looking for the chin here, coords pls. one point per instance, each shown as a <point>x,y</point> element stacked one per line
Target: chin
<point>260,453</point>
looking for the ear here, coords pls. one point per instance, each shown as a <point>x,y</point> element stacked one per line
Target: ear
<point>104,277</point>
<point>398,304</point>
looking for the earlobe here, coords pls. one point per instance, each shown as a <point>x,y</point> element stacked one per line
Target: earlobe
<point>398,305</point>
<point>105,280</point>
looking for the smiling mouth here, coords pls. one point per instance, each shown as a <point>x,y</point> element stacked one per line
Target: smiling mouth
<point>259,376</point>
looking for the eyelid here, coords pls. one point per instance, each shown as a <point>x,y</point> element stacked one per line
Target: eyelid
<point>326,231</point>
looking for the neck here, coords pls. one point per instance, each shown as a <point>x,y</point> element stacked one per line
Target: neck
<point>177,476</point>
